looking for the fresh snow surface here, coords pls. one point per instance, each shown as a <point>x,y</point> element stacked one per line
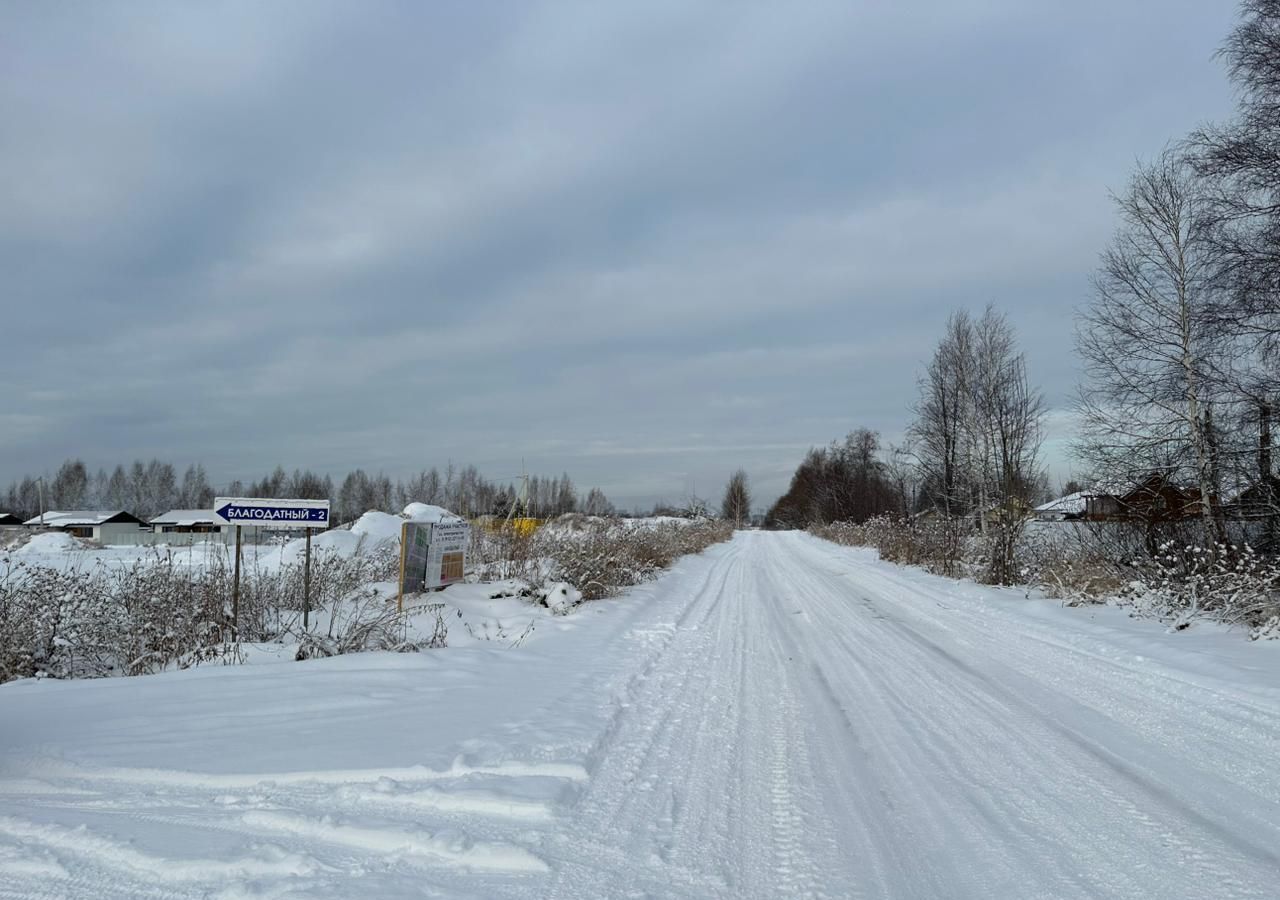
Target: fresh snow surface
<point>561,597</point>
<point>369,532</point>
<point>427,512</point>
<point>777,717</point>
<point>50,542</point>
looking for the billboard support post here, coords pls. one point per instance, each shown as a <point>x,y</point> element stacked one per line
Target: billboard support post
<point>404,535</point>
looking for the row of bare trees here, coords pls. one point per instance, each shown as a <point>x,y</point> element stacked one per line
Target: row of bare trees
<point>1181,343</point>
<point>978,428</point>
<point>971,457</point>
<point>975,442</point>
<point>150,488</point>
<point>845,481</point>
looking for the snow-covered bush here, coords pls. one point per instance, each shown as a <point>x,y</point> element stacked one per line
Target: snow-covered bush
<point>1082,563</point>
<point>600,556</point>
<point>158,612</point>
<point>597,555</point>
<point>560,597</point>
<point>1234,585</point>
<point>367,622</point>
<point>504,553</point>
<point>938,544</point>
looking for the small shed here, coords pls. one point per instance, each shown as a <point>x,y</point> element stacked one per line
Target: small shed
<point>187,521</point>
<point>103,526</point>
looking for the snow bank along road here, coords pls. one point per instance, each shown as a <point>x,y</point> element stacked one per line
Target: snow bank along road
<point>778,717</point>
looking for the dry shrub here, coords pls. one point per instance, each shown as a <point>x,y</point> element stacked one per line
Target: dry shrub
<point>600,556</point>
<point>937,544</point>
<point>1083,563</point>
<point>157,612</point>
<point>365,622</point>
<point>504,553</point>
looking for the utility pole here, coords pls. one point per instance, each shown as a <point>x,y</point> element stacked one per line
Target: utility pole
<point>40,483</point>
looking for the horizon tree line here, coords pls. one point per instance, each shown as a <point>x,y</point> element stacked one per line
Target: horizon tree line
<point>148,489</point>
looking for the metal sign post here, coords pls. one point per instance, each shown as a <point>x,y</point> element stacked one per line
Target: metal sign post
<point>235,592</point>
<point>270,512</point>
<point>306,586</point>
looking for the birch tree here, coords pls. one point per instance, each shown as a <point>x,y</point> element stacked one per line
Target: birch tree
<point>736,506</point>
<point>1149,337</point>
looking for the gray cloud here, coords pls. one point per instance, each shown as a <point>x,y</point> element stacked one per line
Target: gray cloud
<point>646,243</point>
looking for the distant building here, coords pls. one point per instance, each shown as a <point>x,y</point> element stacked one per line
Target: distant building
<point>1260,500</point>
<point>1154,499</point>
<point>9,520</point>
<point>105,527</point>
<point>187,521</point>
<point>1071,506</point>
<point>1006,512</point>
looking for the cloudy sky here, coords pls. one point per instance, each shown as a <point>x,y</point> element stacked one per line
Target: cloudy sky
<point>645,243</point>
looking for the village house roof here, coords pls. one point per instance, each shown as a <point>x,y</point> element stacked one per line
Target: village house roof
<point>83,518</point>
<point>1070,505</point>
<point>187,517</point>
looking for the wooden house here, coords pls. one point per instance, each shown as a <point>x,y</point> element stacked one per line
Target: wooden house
<point>1152,500</point>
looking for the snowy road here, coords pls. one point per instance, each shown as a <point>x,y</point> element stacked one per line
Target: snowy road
<point>778,717</point>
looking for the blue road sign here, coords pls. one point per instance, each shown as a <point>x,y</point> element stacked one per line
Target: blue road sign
<point>273,513</point>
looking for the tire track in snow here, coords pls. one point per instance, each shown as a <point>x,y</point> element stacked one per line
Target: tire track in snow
<point>969,718</point>
<point>702,786</point>
<point>285,826</point>
<point>784,718</point>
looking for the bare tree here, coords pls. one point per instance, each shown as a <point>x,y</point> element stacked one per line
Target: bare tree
<point>1003,437</point>
<point>977,433</point>
<point>1149,337</point>
<point>1241,162</point>
<point>903,474</point>
<point>195,492</point>
<point>736,506</point>
<point>938,429</point>
<point>597,504</point>
<point>977,430</point>
<point>70,486</point>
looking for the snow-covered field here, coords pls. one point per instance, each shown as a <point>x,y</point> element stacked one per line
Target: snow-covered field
<point>776,717</point>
